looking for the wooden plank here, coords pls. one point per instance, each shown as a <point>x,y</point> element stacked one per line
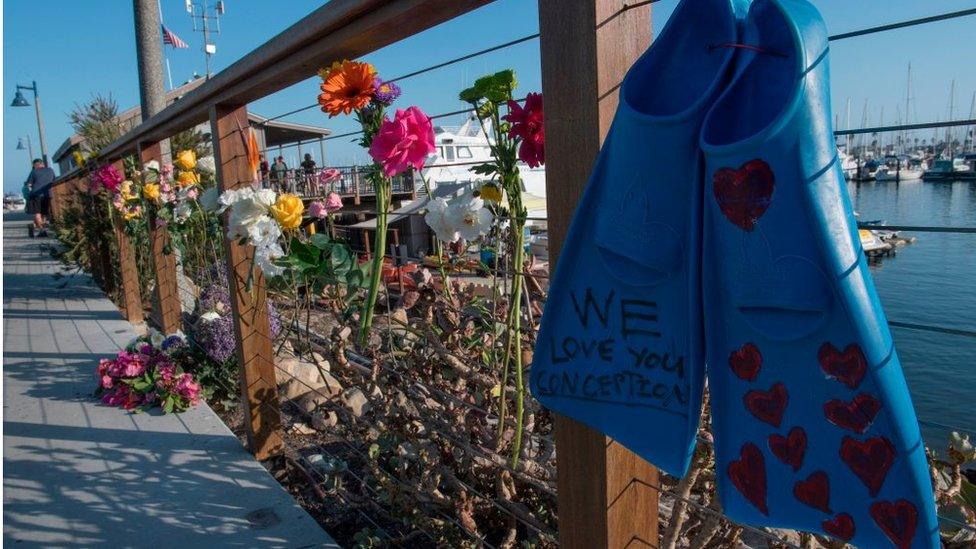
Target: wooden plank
<point>167,309</point>
<point>605,493</point>
<point>128,270</point>
<point>259,391</point>
<point>340,29</point>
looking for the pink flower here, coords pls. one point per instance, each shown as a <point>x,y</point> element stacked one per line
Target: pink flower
<point>527,124</point>
<point>329,175</point>
<point>117,396</point>
<point>317,209</point>
<point>333,202</point>
<point>187,388</point>
<point>192,193</point>
<point>167,170</point>
<point>106,382</point>
<point>160,222</point>
<point>403,142</point>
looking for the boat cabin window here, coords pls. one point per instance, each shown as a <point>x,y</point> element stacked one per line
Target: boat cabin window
<point>463,152</point>
<point>448,153</point>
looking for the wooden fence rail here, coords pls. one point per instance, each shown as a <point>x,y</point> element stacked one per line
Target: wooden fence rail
<point>605,497</point>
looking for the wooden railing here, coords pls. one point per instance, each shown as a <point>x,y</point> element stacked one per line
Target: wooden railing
<point>607,496</point>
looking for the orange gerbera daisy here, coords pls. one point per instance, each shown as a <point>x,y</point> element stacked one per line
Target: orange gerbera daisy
<point>346,87</point>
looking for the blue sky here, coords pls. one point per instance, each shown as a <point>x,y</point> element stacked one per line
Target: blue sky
<point>74,50</point>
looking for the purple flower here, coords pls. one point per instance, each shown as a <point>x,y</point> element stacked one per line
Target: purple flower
<point>216,336</point>
<point>385,92</point>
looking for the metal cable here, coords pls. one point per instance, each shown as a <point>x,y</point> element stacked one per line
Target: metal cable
<point>903,24</point>
<point>905,127</point>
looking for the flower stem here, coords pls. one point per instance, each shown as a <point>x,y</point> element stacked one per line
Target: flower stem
<point>382,185</point>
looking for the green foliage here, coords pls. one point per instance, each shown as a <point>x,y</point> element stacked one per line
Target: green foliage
<point>493,88</point>
<point>219,381</point>
<point>191,139</point>
<point>323,262</point>
<point>96,122</point>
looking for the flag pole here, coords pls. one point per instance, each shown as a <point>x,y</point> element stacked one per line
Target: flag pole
<point>169,71</point>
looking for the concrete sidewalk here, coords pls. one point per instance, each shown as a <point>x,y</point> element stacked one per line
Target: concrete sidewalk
<point>77,473</point>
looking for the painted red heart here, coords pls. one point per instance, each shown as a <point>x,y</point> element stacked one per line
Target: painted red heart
<point>848,367</point>
<point>814,491</point>
<point>744,194</point>
<point>897,520</point>
<point>748,475</point>
<point>791,448</point>
<point>768,406</point>
<point>746,361</point>
<point>856,415</point>
<point>841,526</point>
<point>870,460</point>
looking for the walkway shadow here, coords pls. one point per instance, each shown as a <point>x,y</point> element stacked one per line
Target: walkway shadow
<point>87,486</point>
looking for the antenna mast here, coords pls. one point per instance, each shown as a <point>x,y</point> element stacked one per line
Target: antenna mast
<point>206,19</point>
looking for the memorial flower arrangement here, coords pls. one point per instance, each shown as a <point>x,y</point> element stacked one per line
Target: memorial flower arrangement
<point>395,145</point>
<point>517,135</point>
<point>146,375</point>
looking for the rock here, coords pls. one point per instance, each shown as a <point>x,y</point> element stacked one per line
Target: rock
<point>324,420</point>
<point>306,384</point>
<point>301,429</point>
<point>317,358</point>
<point>376,392</point>
<point>356,401</point>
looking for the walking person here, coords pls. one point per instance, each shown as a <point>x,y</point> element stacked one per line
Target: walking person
<point>308,174</point>
<point>38,185</point>
<point>279,173</point>
<point>265,168</point>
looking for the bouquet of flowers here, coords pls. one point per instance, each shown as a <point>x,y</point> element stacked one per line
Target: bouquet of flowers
<point>145,375</point>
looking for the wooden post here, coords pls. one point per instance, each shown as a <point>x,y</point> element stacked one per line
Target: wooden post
<point>168,309</point>
<point>259,390</point>
<point>607,495</point>
<point>128,270</point>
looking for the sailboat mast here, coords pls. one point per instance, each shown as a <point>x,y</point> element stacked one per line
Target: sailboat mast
<point>952,108</point>
<point>908,95</point>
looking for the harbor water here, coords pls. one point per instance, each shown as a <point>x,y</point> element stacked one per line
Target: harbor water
<point>931,282</point>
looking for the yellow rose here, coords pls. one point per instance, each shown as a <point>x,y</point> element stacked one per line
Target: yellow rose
<point>288,210</point>
<point>131,214</point>
<point>186,160</point>
<point>491,193</point>
<point>125,191</point>
<point>150,191</point>
<point>188,178</point>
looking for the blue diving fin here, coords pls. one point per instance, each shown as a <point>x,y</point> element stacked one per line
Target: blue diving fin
<point>621,345</point>
<point>813,424</point>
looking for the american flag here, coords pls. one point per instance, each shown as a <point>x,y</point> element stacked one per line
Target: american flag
<point>169,37</point>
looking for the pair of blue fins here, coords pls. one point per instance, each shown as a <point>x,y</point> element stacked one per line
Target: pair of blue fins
<point>716,229</point>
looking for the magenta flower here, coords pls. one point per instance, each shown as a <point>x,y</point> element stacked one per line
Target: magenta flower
<point>107,177</point>
<point>403,142</point>
<point>527,124</point>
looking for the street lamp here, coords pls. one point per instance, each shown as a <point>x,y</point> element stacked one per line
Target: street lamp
<point>21,101</point>
<point>28,148</point>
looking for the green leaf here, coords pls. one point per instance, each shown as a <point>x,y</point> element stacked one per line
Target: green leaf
<point>307,255</point>
<point>374,450</point>
<point>355,278</point>
<point>321,241</point>
<point>484,169</point>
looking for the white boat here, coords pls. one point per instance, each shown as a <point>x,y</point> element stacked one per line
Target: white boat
<point>13,202</point>
<point>459,148</point>
<point>847,163</point>
<point>897,169</point>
